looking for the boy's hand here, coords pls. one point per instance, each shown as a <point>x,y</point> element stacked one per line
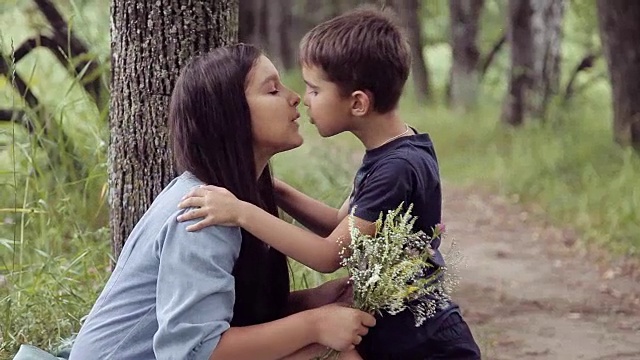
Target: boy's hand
<point>217,205</point>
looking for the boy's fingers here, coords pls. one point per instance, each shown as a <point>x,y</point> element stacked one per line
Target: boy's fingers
<point>192,214</point>
<point>193,192</point>
<point>191,202</point>
<point>197,226</point>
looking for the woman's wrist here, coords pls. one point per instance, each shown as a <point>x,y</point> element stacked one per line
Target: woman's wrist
<point>311,320</point>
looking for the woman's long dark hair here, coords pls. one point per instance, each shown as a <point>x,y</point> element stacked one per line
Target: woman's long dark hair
<point>210,127</point>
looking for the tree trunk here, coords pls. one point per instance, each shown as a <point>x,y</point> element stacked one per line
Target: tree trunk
<point>620,34</point>
<point>534,35</point>
<point>151,41</point>
<point>464,75</point>
<point>287,51</point>
<point>409,13</point>
<point>274,19</point>
<point>247,21</point>
<point>252,25</point>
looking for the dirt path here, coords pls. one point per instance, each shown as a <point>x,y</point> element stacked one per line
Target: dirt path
<point>529,291</point>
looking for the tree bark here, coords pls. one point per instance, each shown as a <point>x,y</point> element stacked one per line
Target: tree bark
<point>464,75</point>
<point>409,13</point>
<point>620,34</point>
<point>534,35</point>
<point>151,41</point>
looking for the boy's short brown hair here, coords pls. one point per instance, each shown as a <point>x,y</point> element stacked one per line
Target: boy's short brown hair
<point>363,49</point>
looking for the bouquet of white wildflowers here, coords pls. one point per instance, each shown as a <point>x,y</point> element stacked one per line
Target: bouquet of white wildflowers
<point>391,271</point>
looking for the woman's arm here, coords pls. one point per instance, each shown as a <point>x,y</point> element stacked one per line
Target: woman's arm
<point>306,333</point>
<point>194,305</point>
<point>314,351</point>
<point>320,254</point>
<point>273,340</point>
<point>313,214</point>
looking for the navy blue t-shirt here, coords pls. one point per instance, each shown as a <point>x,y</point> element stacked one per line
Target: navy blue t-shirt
<point>403,170</point>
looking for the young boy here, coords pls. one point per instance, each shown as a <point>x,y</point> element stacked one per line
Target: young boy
<point>355,67</point>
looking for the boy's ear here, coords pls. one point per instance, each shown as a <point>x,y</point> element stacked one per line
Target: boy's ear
<point>361,102</point>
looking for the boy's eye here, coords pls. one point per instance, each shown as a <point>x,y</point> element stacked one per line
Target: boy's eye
<point>274,92</point>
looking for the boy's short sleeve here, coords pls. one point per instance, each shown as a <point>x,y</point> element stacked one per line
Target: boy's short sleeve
<point>383,189</point>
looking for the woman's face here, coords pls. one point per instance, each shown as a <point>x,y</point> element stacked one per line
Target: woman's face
<point>273,109</point>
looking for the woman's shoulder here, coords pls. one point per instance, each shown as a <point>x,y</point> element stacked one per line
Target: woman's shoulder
<point>163,213</point>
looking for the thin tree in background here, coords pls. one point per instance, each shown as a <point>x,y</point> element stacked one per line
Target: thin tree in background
<point>269,25</point>
<point>534,35</point>
<point>409,12</point>
<point>151,41</point>
<point>250,25</point>
<point>465,72</point>
<point>619,23</point>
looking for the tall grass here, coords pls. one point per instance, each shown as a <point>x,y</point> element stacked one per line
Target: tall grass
<point>568,167</point>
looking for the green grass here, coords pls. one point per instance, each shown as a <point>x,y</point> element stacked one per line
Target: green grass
<point>568,167</point>
<point>54,241</point>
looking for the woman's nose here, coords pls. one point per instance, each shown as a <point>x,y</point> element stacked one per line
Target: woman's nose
<point>295,99</point>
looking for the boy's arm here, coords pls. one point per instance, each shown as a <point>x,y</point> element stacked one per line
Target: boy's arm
<point>311,213</point>
<point>319,253</point>
<point>390,185</point>
<point>218,206</point>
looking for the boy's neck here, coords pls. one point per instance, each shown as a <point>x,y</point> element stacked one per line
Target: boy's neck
<point>375,130</point>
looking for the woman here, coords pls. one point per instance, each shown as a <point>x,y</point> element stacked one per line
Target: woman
<point>218,293</point>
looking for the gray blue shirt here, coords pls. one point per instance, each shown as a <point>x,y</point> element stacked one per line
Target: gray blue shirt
<point>171,294</point>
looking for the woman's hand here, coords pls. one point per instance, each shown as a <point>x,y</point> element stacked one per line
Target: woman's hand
<point>341,328</point>
<point>217,205</point>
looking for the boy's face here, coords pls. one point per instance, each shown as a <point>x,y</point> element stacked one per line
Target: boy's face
<point>328,110</point>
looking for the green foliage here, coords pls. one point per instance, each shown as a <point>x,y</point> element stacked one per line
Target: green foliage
<point>569,169</point>
<point>54,242</point>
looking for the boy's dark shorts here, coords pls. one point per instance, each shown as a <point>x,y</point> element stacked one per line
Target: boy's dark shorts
<point>445,338</point>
